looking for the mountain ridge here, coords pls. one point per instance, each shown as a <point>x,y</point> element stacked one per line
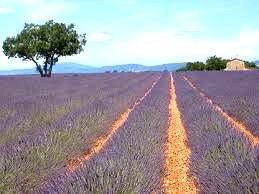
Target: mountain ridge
<point>79,68</point>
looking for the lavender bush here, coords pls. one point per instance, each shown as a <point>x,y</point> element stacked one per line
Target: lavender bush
<point>27,162</point>
<point>132,162</point>
<point>236,92</point>
<point>222,160</point>
<point>38,112</point>
<point>42,130</point>
<point>38,107</point>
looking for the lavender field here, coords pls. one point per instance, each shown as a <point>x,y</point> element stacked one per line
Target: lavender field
<point>114,128</point>
<point>222,160</point>
<point>236,92</point>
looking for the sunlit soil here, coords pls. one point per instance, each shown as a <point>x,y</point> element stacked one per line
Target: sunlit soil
<point>238,124</point>
<point>177,179</point>
<point>103,140</point>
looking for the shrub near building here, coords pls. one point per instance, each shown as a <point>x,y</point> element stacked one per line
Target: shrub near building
<point>212,63</point>
<point>193,66</point>
<point>215,63</point>
<point>251,65</point>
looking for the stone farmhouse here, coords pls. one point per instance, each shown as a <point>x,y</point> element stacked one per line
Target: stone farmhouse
<point>235,65</point>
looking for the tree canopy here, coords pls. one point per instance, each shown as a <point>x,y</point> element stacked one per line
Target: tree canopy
<point>44,44</point>
<point>251,65</point>
<point>212,63</point>
<point>216,63</point>
<point>196,66</point>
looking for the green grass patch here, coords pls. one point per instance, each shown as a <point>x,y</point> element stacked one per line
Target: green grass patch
<point>23,172</point>
<point>38,119</point>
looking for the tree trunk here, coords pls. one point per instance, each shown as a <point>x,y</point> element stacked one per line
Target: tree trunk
<point>45,70</point>
<point>50,67</point>
<point>50,71</point>
<point>41,72</point>
<point>37,66</point>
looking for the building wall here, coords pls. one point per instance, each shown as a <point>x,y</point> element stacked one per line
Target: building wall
<point>235,65</point>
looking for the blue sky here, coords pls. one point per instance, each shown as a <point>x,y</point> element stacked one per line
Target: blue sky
<point>143,31</point>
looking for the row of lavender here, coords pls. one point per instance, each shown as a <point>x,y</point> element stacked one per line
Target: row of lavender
<point>236,92</point>
<point>33,156</point>
<point>133,160</point>
<point>222,160</point>
<point>34,115</point>
<point>32,93</point>
<point>96,100</point>
<point>48,104</point>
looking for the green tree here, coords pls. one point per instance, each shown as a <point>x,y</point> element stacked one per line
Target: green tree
<point>250,65</point>
<point>215,63</point>
<point>195,66</point>
<point>44,44</point>
<point>182,69</point>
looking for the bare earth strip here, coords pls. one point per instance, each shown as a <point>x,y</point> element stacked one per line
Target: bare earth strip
<point>103,140</point>
<point>176,179</point>
<point>241,127</point>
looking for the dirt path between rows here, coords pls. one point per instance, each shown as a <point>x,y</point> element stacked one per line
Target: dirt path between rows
<point>238,124</point>
<point>177,155</point>
<point>102,141</point>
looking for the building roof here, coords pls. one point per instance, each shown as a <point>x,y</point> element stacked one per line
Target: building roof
<point>236,59</point>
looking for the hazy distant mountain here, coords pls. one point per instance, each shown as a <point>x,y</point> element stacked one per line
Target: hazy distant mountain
<point>73,68</point>
<point>78,68</point>
<point>141,68</point>
<point>126,67</point>
<point>257,62</point>
<point>166,67</point>
<point>18,72</point>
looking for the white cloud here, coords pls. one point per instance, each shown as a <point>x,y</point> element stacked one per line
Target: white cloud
<point>30,2</point>
<point>188,21</point>
<point>158,47</point>
<point>38,10</point>
<point>141,15</point>
<point>20,2</point>
<point>99,37</point>
<point>168,45</point>
<point>6,10</point>
<point>7,64</point>
<point>124,2</point>
<point>176,44</point>
<point>43,10</point>
<point>24,2</point>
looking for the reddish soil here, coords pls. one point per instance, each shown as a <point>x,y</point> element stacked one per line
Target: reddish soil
<point>177,179</point>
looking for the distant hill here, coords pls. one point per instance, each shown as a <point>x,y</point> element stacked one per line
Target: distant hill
<point>257,62</point>
<point>126,67</point>
<point>79,68</point>
<point>18,72</point>
<point>166,67</point>
<point>73,68</point>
